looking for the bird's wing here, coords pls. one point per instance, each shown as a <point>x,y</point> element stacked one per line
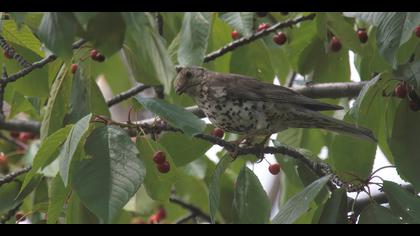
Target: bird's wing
<point>252,89</point>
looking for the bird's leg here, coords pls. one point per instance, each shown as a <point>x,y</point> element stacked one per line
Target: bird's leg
<point>262,146</point>
<point>237,144</point>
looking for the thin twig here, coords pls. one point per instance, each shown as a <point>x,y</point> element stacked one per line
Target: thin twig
<point>12,176</point>
<point>245,40</point>
<point>292,80</point>
<point>193,209</point>
<point>11,53</point>
<point>127,94</point>
<point>2,89</point>
<point>185,218</point>
<point>159,23</point>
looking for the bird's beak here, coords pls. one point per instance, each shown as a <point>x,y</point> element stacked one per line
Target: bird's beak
<point>179,89</point>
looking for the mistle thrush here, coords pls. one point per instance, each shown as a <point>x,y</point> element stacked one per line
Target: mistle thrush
<point>244,105</point>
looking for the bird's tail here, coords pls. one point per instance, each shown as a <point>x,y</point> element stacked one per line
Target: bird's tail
<point>340,126</point>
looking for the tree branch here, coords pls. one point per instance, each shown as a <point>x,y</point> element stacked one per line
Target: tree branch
<point>195,211</point>
<point>10,177</point>
<point>127,94</point>
<point>6,217</point>
<point>11,53</point>
<point>245,40</point>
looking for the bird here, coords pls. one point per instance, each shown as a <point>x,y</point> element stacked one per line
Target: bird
<point>249,107</point>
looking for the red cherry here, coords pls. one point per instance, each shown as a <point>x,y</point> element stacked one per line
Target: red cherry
<point>335,44</point>
<point>24,137</point>
<point>164,167</point>
<point>161,214</point>
<point>363,36</point>
<point>99,57</point>
<point>274,169</point>
<point>14,134</point>
<point>280,38</point>
<point>262,27</point>
<point>401,90</point>
<point>94,54</point>
<point>217,132</point>
<point>417,30</point>
<point>74,68</point>
<point>159,157</point>
<point>234,34</point>
<point>153,219</point>
<point>3,159</point>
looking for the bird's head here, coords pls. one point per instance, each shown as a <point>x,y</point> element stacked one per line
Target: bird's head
<point>188,79</point>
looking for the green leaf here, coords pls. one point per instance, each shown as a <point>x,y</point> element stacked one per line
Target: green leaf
<point>19,17</point>
<point>146,52</point>
<point>158,185</point>
<point>77,213</point>
<point>253,60</point>
<point>183,154</point>
<point>194,37</point>
<point>8,193</point>
<point>57,198</point>
<point>366,112</point>
<point>114,165</point>
<point>174,115</point>
<point>409,72</point>
<point>250,204</point>
<point>84,18</point>
<point>299,203</point>
<point>335,209</point>
<point>106,30</point>
<point>85,98</point>
<point>57,32</point>
<point>240,21</point>
<point>405,144</point>
<point>22,36</point>
<point>46,152</point>
<point>394,29</point>
<point>31,186</point>
<point>76,138</point>
<point>57,104</point>
<point>214,187</point>
<point>403,203</point>
<point>376,214</point>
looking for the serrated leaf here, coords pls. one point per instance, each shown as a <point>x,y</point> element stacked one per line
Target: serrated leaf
<point>394,29</point>
<point>77,213</point>
<point>183,154</point>
<point>57,32</point>
<point>174,115</point>
<point>298,204</point>
<point>404,143</point>
<point>214,187</point>
<point>76,137</point>
<point>194,37</point>
<point>58,194</point>
<point>344,31</point>
<point>250,204</point>
<point>22,36</point>
<point>240,21</point>
<point>8,193</point>
<point>106,31</point>
<point>146,52</point>
<point>57,104</point>
<point>46,152</point>
<point>114,165</point>
<point>335,209</point>
<point>404,204</point>
<point>376,214</point>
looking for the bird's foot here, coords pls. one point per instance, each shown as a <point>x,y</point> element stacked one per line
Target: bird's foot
<point>261,146</point>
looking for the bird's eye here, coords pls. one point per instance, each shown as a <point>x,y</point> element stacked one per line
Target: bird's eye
<point>188,74</point>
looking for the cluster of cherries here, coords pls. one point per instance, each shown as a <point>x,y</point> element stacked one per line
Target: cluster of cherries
<point>403,90</point>
<point>279,38</point>
<point>159,158</point>
<point>94,55</point>
<point>153,219</point>
<point>274,169</point>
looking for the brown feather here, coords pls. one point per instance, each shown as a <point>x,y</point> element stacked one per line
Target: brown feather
<point>252,89</point>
